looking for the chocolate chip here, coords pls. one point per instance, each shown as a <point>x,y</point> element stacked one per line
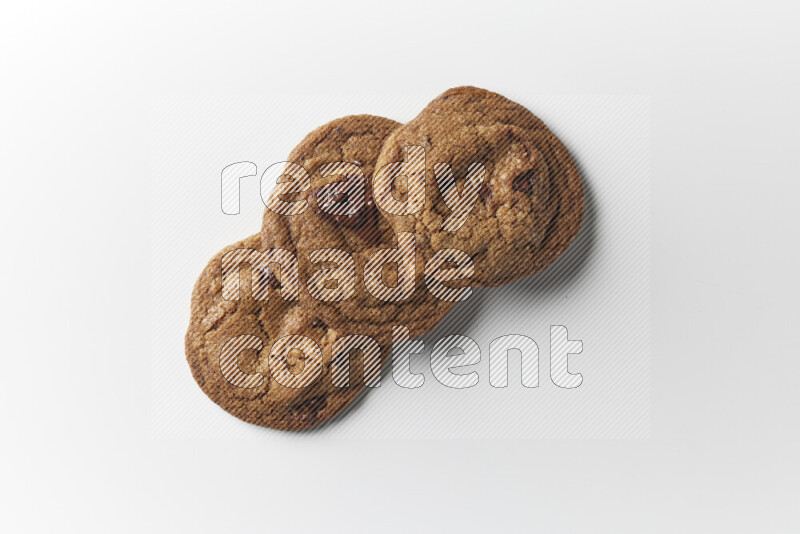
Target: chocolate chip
<point>318,323</point>
<point>484,192</point>
<point>446,184</point>
<point>524,183</point>
<point>272,281</point>
<point>348,202</point>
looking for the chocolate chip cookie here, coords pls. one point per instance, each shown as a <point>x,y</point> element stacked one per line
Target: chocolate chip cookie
<point>486,151</point>
<point>325,214</point>
<point>268,360</point>
<point>289,325</point>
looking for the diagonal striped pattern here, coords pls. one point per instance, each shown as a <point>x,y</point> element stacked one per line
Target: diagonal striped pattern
<point>460,201</point>
<point>263,279</point>
<point>499,353</point>
<point>570,273</point>
<point>231,185</point>
<point>281,179</point>
<point>229,361</point>
<point>340,362</point>
<point>448,265</point>
<point>404,256</point>
<point>406,178</point>
<point>311,358</point>
<point>338,268</point>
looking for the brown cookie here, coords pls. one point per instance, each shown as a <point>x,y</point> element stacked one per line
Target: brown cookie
<point>338,160</point>
<point>240,357</point>
<point>529,204</point>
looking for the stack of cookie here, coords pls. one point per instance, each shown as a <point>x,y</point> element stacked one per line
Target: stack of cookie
<point>389,225</point>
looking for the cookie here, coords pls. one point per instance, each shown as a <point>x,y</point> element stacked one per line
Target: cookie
<point>239,352</point>
<point>289,325</point>
<point>527,197</point>
<point>339,212</point>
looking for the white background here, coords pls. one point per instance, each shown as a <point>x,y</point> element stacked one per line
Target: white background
<point>79,81</point>
<point>599,290</point>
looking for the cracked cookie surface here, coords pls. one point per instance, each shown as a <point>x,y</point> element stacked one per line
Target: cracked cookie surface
<point>529,206</point>
<point>357,227</point>
<point>246,330</point>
